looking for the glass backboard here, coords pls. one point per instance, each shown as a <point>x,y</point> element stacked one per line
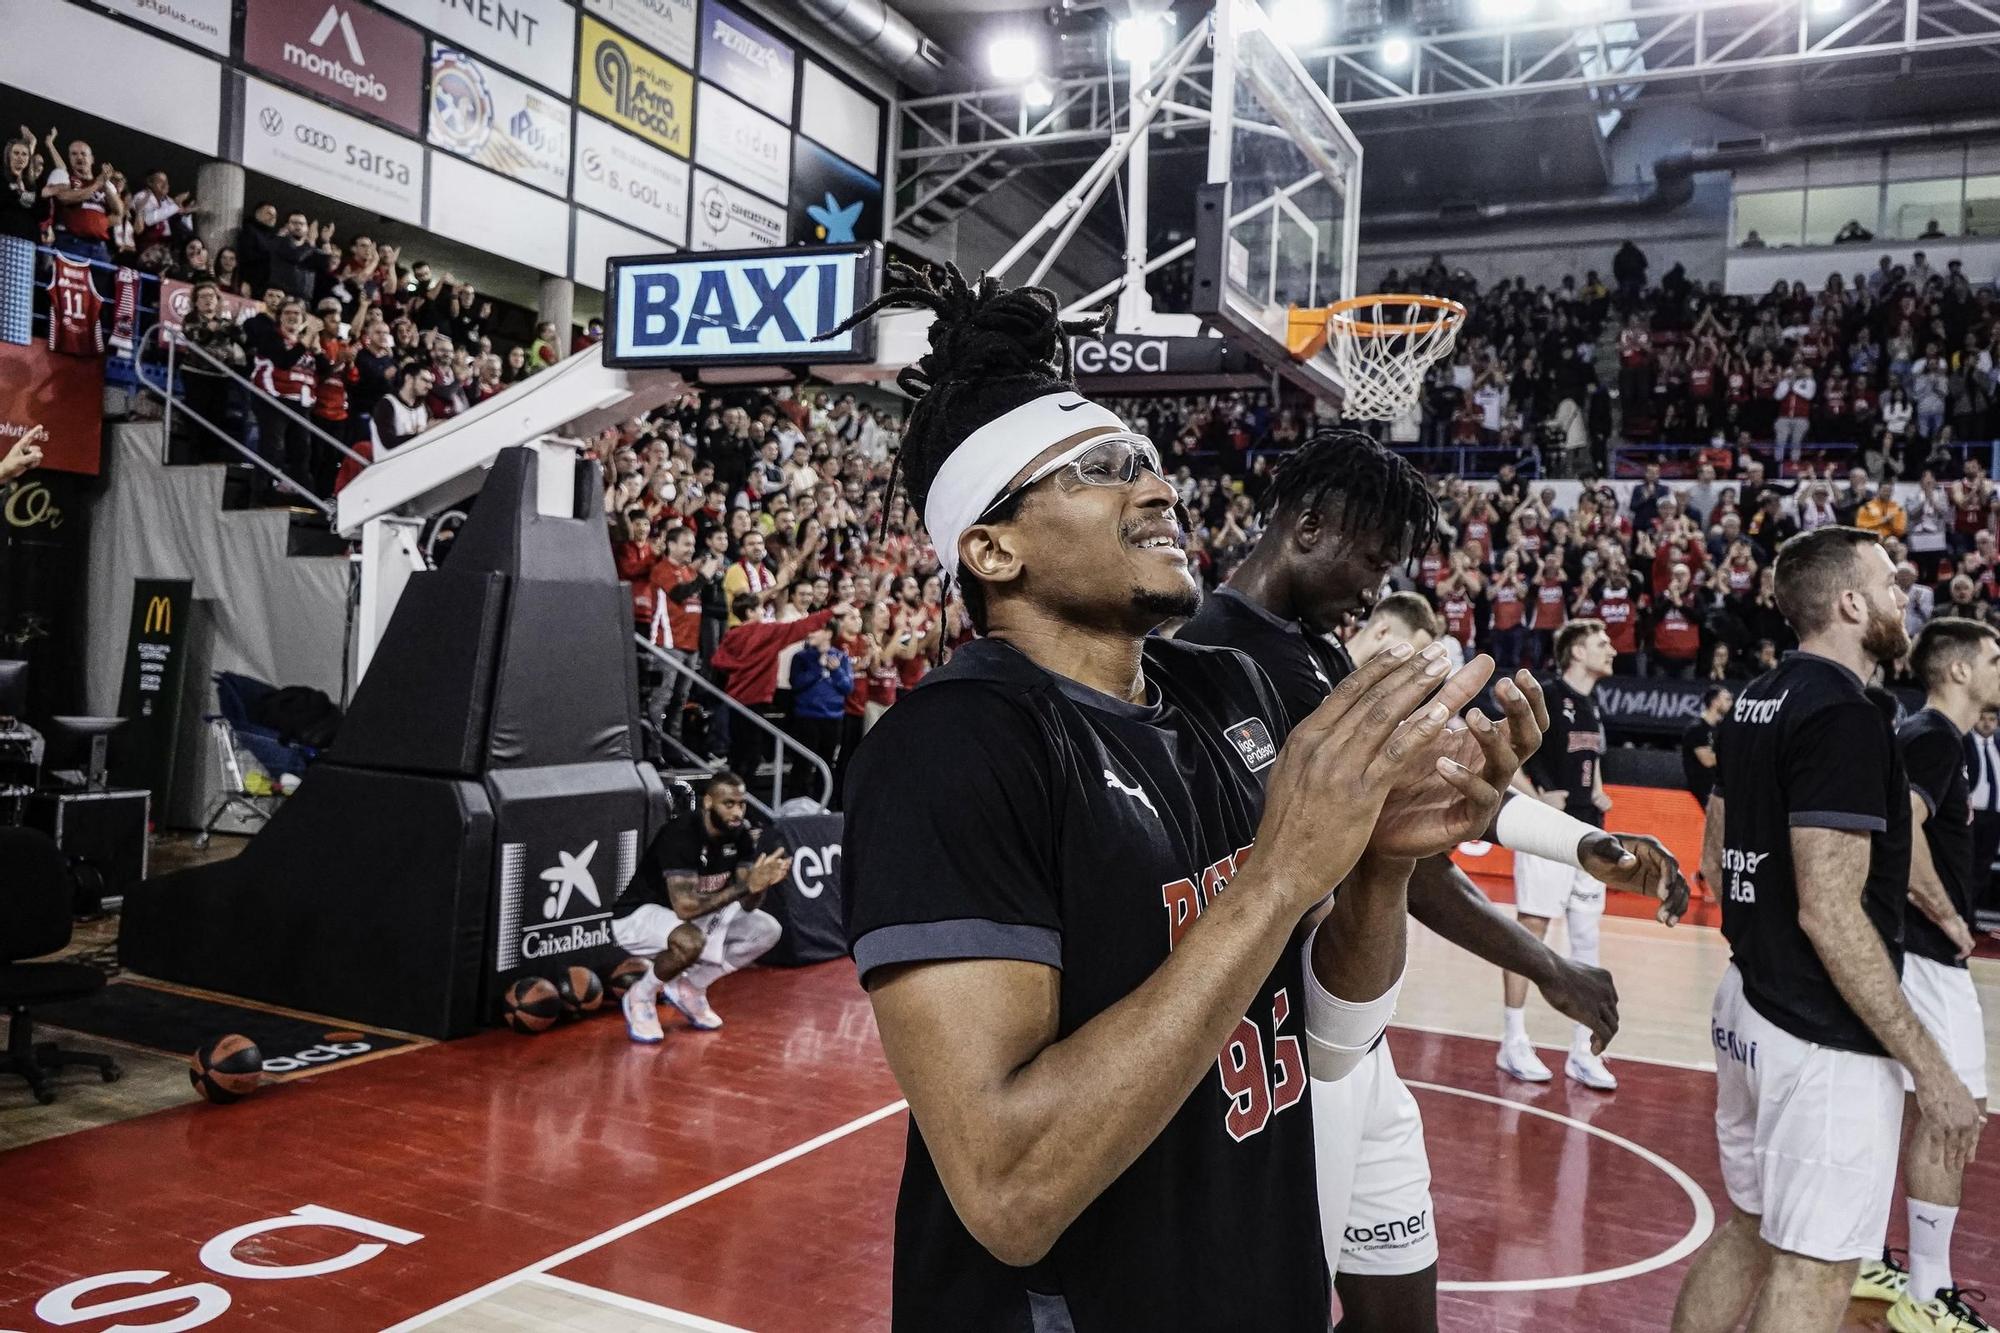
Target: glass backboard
<point>1279,219</point>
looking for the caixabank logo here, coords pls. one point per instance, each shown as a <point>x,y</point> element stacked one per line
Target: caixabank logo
<point>557,900</point>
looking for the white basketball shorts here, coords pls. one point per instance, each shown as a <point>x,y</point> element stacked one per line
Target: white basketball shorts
<point>1947,1004</point>
<point>643,932</point>
<point>1374,1175</point>
<point>1552,889</point>
<point>1809,1135</point>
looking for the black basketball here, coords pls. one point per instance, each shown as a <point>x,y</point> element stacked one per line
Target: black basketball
<point>580,991</point>
<point>532,1005</point>
<point>622,976</point>
<point>227,1069</point>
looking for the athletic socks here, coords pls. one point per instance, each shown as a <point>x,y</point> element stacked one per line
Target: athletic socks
<point>1930,1248</point>
<point>647,988</point>
<point>1580,1040</point>
<point>1517,1023</point>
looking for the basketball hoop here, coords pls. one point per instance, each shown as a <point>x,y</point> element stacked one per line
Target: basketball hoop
<point>1380,347</point>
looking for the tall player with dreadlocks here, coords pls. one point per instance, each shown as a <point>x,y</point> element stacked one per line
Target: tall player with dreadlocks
<point>1343,512</point>
<point>1104,1051</point>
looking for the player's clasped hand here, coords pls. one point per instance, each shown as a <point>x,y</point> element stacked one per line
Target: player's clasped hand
<point>1374,733</point>
<point>1454,796</point>
<point>1638,864</point>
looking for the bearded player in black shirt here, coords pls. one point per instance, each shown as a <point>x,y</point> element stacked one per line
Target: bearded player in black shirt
<point>1343,512</point>
<point>1077,912</point>
<point>1958,662</point>
<point>1808,843</point>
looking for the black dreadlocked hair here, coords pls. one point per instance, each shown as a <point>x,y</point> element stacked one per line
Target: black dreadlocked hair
<point>993,348</point>
<point>1357,485</point>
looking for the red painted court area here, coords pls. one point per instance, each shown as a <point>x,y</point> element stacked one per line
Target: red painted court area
<point>748,1177</point>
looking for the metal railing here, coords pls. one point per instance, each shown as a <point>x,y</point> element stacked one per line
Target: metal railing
<point>741,713</point>
<point>176,347</point>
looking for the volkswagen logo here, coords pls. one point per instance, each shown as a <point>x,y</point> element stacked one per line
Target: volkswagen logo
<point>272,120</point>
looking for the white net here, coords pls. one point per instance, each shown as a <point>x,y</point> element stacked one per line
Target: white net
<point>1382,345</point>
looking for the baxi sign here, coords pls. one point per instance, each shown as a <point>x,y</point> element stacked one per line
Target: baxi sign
<point>754,307</point>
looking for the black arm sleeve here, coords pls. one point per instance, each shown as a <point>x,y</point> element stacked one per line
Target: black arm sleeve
<point>1930,758</point>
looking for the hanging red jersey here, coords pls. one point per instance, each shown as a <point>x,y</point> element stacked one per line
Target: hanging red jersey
<point>124,310</point>
<point>76,324</point>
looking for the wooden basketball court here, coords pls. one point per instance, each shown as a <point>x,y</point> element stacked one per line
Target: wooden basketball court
<point>746,1179</point>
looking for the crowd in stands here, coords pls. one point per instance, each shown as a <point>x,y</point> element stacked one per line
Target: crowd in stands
<point>1894,368</point>
<point>371,347</point>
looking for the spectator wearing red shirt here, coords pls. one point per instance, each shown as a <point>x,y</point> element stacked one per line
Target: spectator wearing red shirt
<point>285,366</point>
<point>1551,609</point>
<point>676,583</point>
<point>925,626</point>
<point>1794,393</point>
<point>747,660</point>
<point>1677,624</point>
<point>1507,596</point>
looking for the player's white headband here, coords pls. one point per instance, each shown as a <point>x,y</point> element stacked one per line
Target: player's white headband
<point>976,472</point>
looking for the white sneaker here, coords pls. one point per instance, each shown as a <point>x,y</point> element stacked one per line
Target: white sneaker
<point>1519,1059</point>
<point>642,1014</point>
<point>693,1005</point>
<point>1589,1070</point>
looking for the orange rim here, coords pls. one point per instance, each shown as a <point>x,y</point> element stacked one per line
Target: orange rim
<point>1449,312</point>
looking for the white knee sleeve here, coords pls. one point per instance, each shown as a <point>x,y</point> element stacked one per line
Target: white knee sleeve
<point>1583,934</point>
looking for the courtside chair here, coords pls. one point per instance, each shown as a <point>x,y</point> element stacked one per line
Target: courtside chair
<point>36,897</point>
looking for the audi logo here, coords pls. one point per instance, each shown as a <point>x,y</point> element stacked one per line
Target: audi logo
<point>272,120</point>
<point>313,138</point>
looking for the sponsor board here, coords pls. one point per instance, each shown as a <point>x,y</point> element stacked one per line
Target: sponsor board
<point>598,242</point>
<point>556,899</point>
<point>494,214</point>
<point>535,38</point>
<point>724,217</point>
<point>330,152</point>
<point>635,87</point>
<point>626,178</point>
<point>205,23</point>
<point>742,145</point>
<point>840,116</point>
<point>484,114</point>
<point>833,201</point>
<point>745,307</point>
<point>668,26</point>
<point>343,51</point>
<point>80,59</point>
<point>1130,354</point>
<point>747,60</point>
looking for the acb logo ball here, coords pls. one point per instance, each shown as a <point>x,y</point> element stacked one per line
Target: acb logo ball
<point>623,974</point>
<point>579,990</point>
<point>531,1005</point>
<point>227,1069</point>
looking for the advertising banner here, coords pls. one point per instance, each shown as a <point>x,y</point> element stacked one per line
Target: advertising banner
<point>343,51</point>
<point>497,216</point>
<point>331,152</point>
<point>727,218</point>
<point>205,23</point>
<point>833,201</point>
<point>17,289</point>
<point>1132,354</point>
<point>634,86</point>
<point>668,26</point>
<point>757,307</point>
<point>742,145</point>
<point>150,697</point>
<point>628,179</point>
<point>64,393</point>
<point>807,902</point>
<point>598,241</point>
<point>484,114</point>
<point>747,60</point>
<point>841,117</point>
<point>78,58</point>
<point>177,299</point>
<point>536,38</point>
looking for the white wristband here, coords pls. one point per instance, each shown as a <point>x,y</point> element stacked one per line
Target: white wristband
<point>1529,824</point>
<point>1339,1032</point>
